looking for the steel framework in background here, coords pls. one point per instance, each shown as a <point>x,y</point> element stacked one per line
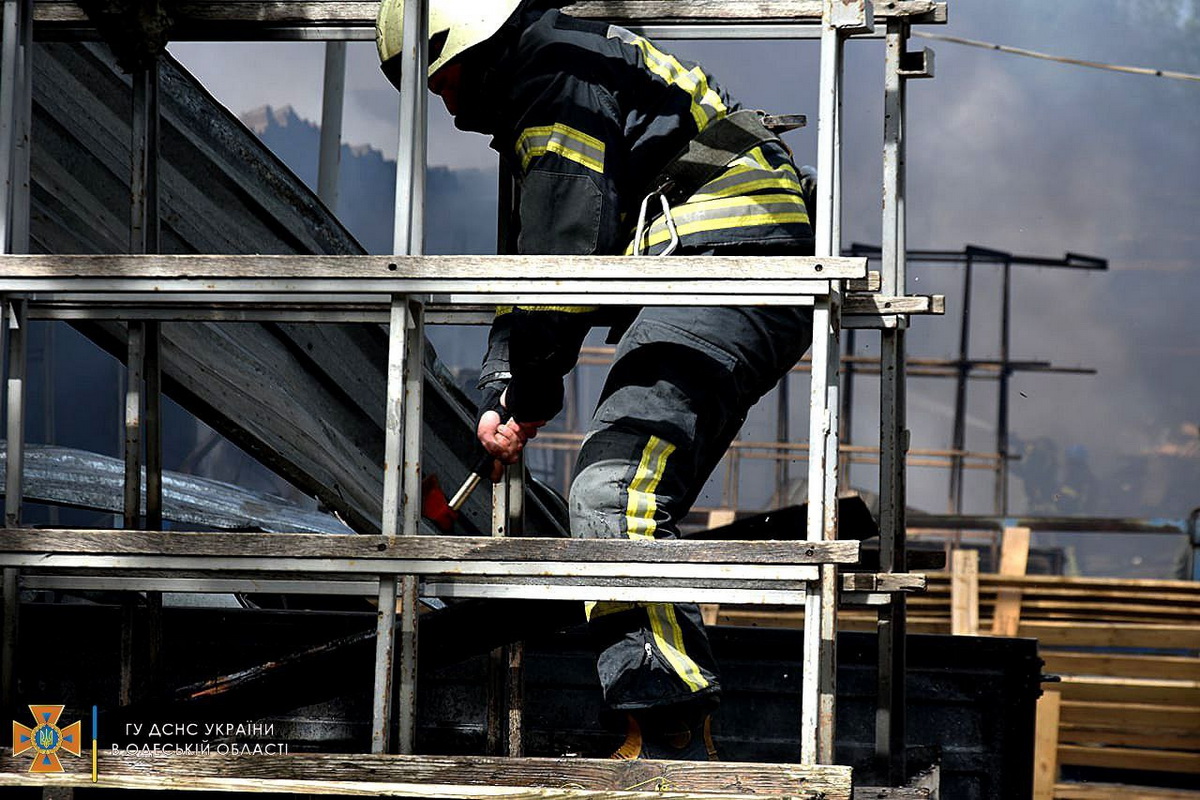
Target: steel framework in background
<point>413,281</point>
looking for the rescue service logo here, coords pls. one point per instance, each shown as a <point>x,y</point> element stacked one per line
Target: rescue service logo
<point>45,739</point>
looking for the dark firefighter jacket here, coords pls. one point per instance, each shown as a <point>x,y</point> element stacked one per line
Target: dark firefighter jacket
<point>587,115</point>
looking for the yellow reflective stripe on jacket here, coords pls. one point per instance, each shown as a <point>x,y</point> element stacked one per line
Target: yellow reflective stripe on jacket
<point>564,140</point>
<point>642,504</point>
<point>707,106</point>
<point>668,637</point>
<point>502,310</point>
<point>726,213</point>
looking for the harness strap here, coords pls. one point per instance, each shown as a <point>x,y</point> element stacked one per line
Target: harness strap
<point>709,153</point>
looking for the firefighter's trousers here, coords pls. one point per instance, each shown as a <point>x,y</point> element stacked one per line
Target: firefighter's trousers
<point>681,384</point>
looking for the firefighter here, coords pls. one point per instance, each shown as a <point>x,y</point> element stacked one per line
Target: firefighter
<point>621,148</point>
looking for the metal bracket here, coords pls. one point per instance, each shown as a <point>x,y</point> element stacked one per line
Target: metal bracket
<point>917,64</point>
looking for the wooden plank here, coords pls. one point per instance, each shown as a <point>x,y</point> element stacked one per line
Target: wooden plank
<point>875,305</point>
<point>1119,791</point>
<point>1122,666</point>
<point>1101,634</point>
<point>444,548</point>
<point>451,777</point>
<point>964,592</point>
<point>883,582</point>
<point>1014,557</point>
<point>1131,715</point>
<point>1095,585</point>
<point>200,17</point>
<point>1130,690</point>
<point>1110,736</point>
<point>1139,759</point>
<point>202,270</point>
<point>1045,745</point>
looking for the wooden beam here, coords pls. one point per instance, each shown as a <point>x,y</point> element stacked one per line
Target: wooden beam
<point>1045,746</point>
<point>964,592</point>
<point>1129,758</point>
<point>1185,668</point>
<point>434,548</point>
<point>1130,690</point>
<point>1014,557</point>
<point>228,19</point>
<point>1078,713</point>
<point>1110,634</point>
<point>450,777</point>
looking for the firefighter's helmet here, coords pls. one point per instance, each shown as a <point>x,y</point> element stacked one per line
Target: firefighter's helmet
<point>455,26</point>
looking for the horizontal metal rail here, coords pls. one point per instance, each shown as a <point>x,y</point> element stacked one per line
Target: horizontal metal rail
<point>225,20</point>
<point>594,280</point>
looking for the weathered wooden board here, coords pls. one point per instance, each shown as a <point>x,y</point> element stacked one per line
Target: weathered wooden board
<point>1113,665</point>
<point>230,18</point>
<point>1139,759</point>
<point>1130,690</point>
<point>454,777</point>
<point>443,548</point>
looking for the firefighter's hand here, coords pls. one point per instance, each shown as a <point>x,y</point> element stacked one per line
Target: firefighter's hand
<point>504,440</point>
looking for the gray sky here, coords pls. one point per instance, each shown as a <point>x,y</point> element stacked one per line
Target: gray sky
<point>1009,153</point>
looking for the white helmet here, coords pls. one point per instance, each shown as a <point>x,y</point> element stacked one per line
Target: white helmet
<point>455,26</point>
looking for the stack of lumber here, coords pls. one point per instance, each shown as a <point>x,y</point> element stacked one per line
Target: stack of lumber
<point>1127,653</point>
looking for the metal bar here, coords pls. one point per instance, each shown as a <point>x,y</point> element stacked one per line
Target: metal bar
<point>959,435</point>
<point>399,274</point>
<point>21,143</point>
<point>332,104</point>
<point>783,435</point>
<point>409,228</point>
<point>1001,491</point>
<point>393,452</point>
<point>629,572</point>
<point>385,652</point>
<point>135,359</point>
<point>18,333</point>
<point>849,370</point>
<point>414,381</point>
<point>890,700</point>
<point>9,118</point>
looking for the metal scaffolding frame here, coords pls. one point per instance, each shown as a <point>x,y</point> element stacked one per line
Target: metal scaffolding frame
<point>405,287</point>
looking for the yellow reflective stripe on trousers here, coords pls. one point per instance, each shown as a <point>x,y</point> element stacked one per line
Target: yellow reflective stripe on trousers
<point>707,106</point>
<point>642,504</point>
<point>726,213</point>
<point>564,140</point>
<point>668,638</point>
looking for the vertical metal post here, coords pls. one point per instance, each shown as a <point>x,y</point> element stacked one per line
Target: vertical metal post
<point>390,524</point>
<point>958,442</point>
<point>15,321</point>
<point>820,630</point>
<point>410,162</point>
<point>145,238</point>
<point>847,412</point>
<point>135,356</point>
<point>783,435</point>
<point>1001,498</point>
<point>399,458</point>
<point>332,104</point>
<point>414,381</point>
<point>16,50</point>
<point>893,434</point>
